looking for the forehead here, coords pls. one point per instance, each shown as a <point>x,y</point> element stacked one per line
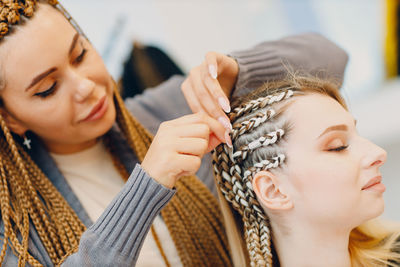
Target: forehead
<point>312,113</point>
<point>32,46</point>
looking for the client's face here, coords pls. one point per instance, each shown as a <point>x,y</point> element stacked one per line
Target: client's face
<point>332,172</point>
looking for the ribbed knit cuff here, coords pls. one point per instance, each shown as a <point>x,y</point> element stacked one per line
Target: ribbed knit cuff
<point>306,54</point>
<point>256,66</point>
<point>125,223</point>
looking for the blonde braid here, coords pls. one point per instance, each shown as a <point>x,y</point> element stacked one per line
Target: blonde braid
<point>5,208</point>
<point>234,168</point>
<point>260,103</point>
<point>52,216</point>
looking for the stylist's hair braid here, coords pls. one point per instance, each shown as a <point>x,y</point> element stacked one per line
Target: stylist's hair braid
<point>12,11</point>
<point>192,212</point>
<point>234,168</point>
<point>26,193</point>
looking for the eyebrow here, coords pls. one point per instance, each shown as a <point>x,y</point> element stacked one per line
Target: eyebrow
<point>51,70</point>
<point>340,127</point>
<point>40,77</point>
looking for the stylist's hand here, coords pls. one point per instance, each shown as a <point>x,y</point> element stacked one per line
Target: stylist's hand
<point>209,85</point>
<point>179,145</point>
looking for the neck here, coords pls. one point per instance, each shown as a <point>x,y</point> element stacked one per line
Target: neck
<point>64,149</point>
<point>308,245</point>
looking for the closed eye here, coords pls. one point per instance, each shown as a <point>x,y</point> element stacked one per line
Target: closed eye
<point>80,58</point>
<point>338,149</point>
<point>47,92</point>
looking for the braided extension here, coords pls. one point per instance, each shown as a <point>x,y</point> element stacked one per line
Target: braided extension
<point>247,126</point>
<point>11,12</point>
<point>271,138</point>
<point>26,193</point>
<point>192,212</point>
<point>255,148</point>
<point>259,103</point>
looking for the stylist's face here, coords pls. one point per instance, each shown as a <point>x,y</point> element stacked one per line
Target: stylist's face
<point>56,84</point>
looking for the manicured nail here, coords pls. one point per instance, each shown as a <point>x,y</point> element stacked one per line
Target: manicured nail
<point>213,71</point>
<point>228,139</point>
<point>226,123</point>
<point>224,104</point>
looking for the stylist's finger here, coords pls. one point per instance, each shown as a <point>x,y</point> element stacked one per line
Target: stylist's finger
<point>213,61</point>
<point>190,96</point>
<point>202,85</point>
<point>192,146</point>
<point>215,126</point>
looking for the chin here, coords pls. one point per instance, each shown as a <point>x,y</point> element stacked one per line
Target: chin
<point>375,210</point>
<point>104,125</point>
<point>109,119</point>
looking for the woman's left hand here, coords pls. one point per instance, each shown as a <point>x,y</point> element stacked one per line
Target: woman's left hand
<point>209,85</point>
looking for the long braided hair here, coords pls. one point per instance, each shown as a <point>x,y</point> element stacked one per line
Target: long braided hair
<point>258,136</point>
<point>193,217</point>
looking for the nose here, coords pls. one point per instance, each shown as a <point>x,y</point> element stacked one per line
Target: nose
<point>83,87</point>
<point>376,156</point>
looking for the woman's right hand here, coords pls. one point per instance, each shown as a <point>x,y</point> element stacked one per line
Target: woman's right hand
<point>179,145</point>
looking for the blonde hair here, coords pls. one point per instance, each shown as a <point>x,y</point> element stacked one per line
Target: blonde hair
<point>258,132</point>
<point>193,216</point>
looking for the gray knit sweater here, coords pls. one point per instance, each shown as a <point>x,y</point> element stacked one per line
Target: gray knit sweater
<point>116,237</point>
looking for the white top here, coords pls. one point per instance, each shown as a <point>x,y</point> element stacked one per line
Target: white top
<point>95,181</point>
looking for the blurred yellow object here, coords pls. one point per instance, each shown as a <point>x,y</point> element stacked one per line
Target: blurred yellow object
<point>391,39</point>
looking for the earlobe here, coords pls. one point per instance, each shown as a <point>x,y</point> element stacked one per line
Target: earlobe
<point>13,124</point>
<point>269,192</point>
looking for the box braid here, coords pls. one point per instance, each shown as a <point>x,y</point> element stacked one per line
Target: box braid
<point>235,181</point>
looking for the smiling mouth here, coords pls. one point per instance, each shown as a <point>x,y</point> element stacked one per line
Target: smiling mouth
<point>98,110</point>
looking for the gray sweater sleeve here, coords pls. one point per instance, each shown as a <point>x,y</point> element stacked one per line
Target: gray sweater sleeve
<point>309,53</point>
<point>116,237</point>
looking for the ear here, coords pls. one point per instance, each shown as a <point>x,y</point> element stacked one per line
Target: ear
<point>269,192</point>
<point>13,124</point>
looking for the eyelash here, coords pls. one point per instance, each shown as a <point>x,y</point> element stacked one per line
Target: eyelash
<point>81,56</point>
<point>338,149</point>
<point>48,92</point>
<point>53,88</point>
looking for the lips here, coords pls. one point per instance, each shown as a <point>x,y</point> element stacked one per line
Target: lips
<point>98,110</point>
<point>372,182</point>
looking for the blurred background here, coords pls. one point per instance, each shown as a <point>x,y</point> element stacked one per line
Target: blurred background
<point>184,30</point>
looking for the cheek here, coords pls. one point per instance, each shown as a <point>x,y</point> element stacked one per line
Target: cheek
<point>97,69</point>
<point>49,117</point>
<point>325,187</point>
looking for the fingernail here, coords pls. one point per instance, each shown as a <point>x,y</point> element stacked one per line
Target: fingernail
<point>213,71</point>
<point>226,123</point>
<point>228,139</point>
<point>224,104</point>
